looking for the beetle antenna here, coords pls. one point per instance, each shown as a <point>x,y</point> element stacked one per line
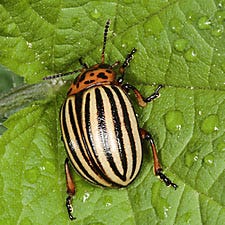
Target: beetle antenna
<point>60,75</point>
<point>105,39</point>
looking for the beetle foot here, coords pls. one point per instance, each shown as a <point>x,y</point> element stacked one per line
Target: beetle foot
<point>154,95</point>
<point>165,179</point>
<point>70,207</point>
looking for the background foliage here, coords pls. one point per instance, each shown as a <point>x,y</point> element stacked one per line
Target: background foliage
<point>181,44</point>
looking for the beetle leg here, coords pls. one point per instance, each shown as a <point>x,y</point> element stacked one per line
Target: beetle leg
<point>157,167</point>
<point>125,65</point>
<point>70,189</point>
<point>141,100</point>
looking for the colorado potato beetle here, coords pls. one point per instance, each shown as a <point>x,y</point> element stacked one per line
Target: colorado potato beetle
<point>99,127</point>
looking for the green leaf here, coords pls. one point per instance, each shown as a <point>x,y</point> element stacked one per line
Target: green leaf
<point>181,44</point>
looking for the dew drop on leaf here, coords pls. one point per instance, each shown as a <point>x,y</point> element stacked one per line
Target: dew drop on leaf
<point>204,23</point>
<point>209,160</point>
<point>107,200</point>
<point>190,158</point>
<point>220,16</point>
<point>174,120</point>
<point>85,197</point>
<point>217,30</point>
<point>210,124</point>
<point>95,14</point>
<point>190,55</point>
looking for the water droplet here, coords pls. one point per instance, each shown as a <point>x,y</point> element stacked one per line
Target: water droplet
<point>220,5</point>
<point>196,158</point>
<point>176,25</point>
<point>107,201</point>
<point>180,45</point>
<point>31,175</point>
<point>209,159</point>
<point>210,124</point>
<point>217,30</point>
<point>95,14</point>
<point>174,121</point>
<point>190,158</point>
<point>85,197</point>
<point>204,23</point>
<point>220,16</point>
<point>190,55</point>
<point>153,26</point>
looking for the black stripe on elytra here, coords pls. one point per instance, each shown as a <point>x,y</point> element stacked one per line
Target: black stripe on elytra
<point>68,139</point>
<point>117,130</point>
<point>104,134</point>
<point>127,123</point>
<point>88,123</point>
<point>89,159</point>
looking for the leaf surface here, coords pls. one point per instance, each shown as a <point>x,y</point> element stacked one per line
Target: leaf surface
<point>181,44</point>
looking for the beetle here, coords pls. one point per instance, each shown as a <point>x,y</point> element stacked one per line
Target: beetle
<point>99,127</point>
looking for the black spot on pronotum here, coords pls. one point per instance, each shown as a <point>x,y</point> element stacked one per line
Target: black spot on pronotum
<point>89,81</point>
<point>82,77</point>
<point>109,71</point>
<point>102,75</point>
<point>92,74</point>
